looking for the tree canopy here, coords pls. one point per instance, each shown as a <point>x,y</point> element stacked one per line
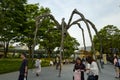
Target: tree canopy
<point>110,36</point>
<point>11,20</point>
<point>17,24</point>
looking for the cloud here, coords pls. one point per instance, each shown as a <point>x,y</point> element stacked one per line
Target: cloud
<point>100,12</point>
<point>112,19</point>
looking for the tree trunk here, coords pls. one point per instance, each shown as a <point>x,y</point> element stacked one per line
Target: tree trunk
<point>49,53</point>
<point>6,45</point>
<point>30,51</point>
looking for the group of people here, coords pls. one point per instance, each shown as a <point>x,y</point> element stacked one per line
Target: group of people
<point>90,67</point>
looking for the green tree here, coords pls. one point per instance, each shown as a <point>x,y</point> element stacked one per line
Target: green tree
<point>70,45</point>
<point>110,36</point>
<point>11,21</point>
<point>27,34</point>
<point>50,39</point>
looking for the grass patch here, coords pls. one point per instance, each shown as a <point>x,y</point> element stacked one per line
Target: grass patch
<point>10,65</point>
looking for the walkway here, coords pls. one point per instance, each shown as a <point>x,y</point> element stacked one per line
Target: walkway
<point>49,73</point>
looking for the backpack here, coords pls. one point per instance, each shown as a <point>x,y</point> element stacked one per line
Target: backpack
<point>117,63</point>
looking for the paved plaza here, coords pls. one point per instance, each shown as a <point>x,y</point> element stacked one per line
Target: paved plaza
<point>50,73</point>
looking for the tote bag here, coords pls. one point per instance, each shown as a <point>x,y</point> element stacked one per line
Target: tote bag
<point>77,75</point>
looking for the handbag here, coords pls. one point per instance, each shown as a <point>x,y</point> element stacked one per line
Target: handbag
<point>77,75</point>
<point>91,77</point>
<point>117,64</point>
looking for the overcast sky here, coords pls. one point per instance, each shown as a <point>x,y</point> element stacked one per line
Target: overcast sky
<point>100,12</point>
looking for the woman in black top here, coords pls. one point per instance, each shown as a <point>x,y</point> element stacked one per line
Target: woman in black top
<point>79,66</point>
<point>23,68</point>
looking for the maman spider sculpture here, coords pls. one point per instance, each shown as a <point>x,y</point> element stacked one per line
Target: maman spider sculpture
<point>65,26</point>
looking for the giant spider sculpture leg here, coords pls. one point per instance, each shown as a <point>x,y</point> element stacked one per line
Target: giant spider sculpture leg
<point>87,22</point>
<point>59,27</point>
<point>63,27</point>
<point>83,19</point>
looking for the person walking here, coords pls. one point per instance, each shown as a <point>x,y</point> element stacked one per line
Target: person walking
<point>102,63</point>
<point>117,70</point>
<point>78,70</point>
<point>93,69</point>
<point>23,72</point>
<point>37,67</point>
<point>57,61</point>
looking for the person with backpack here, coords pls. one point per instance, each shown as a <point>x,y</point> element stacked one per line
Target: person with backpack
<point>117,66</point>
